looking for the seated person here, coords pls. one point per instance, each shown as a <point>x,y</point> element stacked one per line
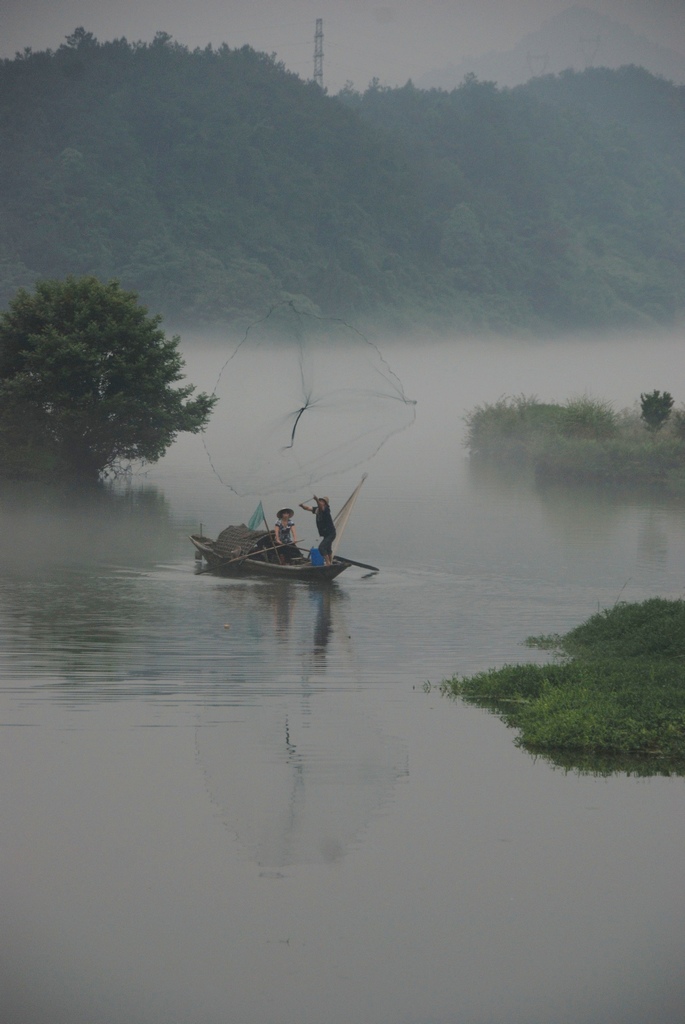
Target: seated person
<point>284,531</point>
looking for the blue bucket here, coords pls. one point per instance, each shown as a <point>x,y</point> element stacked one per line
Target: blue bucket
<point>316,557</point>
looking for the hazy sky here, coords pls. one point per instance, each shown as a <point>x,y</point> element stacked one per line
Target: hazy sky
<point>391,39</point>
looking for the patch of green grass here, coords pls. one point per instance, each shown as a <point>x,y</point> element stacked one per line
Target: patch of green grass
<point>617,701</point>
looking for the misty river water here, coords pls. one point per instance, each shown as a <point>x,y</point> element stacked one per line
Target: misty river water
<point>234,802</point>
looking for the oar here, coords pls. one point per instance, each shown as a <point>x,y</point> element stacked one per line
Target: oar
<point>362,565</point>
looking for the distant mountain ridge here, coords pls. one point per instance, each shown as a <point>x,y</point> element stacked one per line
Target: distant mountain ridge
<point>216,184</point>
<point>576,38</point>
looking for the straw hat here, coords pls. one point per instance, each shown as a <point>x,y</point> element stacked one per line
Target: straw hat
<point>284,512</point>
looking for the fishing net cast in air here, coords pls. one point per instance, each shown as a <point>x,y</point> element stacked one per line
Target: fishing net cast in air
<point>301,397</point>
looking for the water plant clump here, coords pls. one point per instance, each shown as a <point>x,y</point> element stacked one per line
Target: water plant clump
<point>509,427</point>
<point>613,700</point>
<point>584,439</point>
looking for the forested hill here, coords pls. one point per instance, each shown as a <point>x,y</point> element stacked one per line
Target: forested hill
<point>215,183</point>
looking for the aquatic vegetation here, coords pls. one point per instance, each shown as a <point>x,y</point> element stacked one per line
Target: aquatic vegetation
<point>526,419</point>
<point>510,427</point>
<point>614,699</point>
<point>654,628</point>
<point>584,439</point>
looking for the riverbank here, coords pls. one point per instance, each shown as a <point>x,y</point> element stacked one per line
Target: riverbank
<point>614,700</point>
<point>583,440</point>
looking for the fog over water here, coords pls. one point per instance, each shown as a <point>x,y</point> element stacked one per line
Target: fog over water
<point>229,800</point>
<point>446,379</point>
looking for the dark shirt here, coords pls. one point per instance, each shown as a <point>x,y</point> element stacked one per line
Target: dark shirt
<point>324,522</point>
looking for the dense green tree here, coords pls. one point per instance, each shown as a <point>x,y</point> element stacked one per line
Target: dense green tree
<point>87,380</point>
<point>655,409</point>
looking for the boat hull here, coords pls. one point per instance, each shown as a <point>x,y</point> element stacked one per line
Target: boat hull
<point>310,573</point>
<point>216,565</point>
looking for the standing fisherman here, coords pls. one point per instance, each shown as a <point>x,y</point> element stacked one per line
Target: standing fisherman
<point>325,526</point>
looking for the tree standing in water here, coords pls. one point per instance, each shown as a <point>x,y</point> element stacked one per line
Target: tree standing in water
<point>88,381</point>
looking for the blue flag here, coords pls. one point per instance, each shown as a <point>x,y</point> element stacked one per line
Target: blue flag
<point>257,519</point>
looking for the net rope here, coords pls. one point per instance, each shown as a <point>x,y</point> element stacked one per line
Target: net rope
<point>301,397</point>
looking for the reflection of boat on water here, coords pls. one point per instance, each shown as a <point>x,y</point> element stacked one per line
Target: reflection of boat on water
<point>297,766</point>
<point>301,771</point>
<point>240,551</point>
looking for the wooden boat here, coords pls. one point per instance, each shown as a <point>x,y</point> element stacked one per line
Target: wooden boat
<point>240,551</point>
